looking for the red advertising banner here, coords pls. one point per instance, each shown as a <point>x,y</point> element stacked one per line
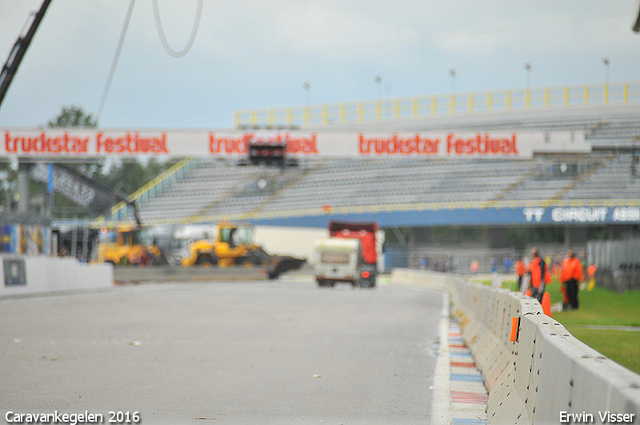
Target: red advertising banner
<point>31,142</point>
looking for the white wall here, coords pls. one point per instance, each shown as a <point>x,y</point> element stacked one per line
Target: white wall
<point>300,241</point>
<point>294,241</point>
<point>52,274</point>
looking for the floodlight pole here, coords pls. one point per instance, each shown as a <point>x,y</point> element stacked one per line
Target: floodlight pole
<point>528,67</point>
<point>378,80</point>
<point>307,87</point>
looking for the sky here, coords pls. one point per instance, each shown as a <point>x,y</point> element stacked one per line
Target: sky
<point>260,53</point>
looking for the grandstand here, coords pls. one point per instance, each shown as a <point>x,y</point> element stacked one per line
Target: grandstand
<point>222,190</point>
<point>418,193</point>
<point>216,189</point>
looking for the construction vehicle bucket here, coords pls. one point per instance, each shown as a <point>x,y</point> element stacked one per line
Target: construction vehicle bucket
<point>279,265</point>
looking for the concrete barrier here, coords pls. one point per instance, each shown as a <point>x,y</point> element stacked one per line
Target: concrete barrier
<point>181,274</point>
<point>546,374</point>
<point>31,275</point>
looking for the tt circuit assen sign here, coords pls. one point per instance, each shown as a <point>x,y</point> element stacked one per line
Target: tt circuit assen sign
<point>582,215</point>
<point>566,216</point>
<point>21,142</point>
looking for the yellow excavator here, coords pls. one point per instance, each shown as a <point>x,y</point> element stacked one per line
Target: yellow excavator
<point>234,246</point>
<point>127,244</point>
<point>125,247</point>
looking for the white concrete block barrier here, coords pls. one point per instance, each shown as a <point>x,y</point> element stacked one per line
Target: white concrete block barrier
<point>31,275</point>
<point>535,370</point>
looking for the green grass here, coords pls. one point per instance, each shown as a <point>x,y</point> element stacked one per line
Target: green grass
<point>597,307</point>
<point>601,307</point>
<point>511,285</point>
<point>622,347</point>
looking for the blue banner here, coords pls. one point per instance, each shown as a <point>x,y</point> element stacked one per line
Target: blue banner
<point>593,215</point>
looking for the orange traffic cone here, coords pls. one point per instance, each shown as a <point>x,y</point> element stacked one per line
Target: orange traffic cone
<point>546,304</point>
<point>528,293</point>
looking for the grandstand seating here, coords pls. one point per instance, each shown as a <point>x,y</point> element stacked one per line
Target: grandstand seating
<point>215,189</point>
<point>618,133</point>
<point>613,180</point>
<point>223,190</point>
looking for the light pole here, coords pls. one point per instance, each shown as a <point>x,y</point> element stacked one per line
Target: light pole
<point>378,80</point>
<point>528,67</point>
<point>307,87</point>
<point>452,72</point>
<point>527,94</point>
<point>606,79</point>
<point>452,98</point>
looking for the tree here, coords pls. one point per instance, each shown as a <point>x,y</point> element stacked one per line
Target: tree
<point>127,177</point>
<point>123,176</point>
<point>73,116</point>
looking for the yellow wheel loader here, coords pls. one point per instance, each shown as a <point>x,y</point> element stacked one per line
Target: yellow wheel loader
<point>125,247</point>
<point>234,246</point>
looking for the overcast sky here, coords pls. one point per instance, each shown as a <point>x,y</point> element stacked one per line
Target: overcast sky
<point>259,53</point>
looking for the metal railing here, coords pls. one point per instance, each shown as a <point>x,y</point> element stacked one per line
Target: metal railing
<point>521,99</point>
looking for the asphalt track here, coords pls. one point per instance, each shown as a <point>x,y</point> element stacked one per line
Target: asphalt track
<point>267,352</point>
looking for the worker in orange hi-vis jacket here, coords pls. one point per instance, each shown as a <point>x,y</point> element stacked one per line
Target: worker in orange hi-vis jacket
<point>540,276</point>
<point>571,276</point>
<point>563,288</point>
<point>520,270</point>
<point>591,272</point>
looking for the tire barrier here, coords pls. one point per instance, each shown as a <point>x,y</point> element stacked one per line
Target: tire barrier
<point>536,372</point>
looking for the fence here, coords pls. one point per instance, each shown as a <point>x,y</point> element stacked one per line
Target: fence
<point>521,99</point>
<point>618,263</point>
<point>456,260</point>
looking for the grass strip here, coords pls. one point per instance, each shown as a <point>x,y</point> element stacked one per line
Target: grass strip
<point>601,307</point>
<point>622,347</point>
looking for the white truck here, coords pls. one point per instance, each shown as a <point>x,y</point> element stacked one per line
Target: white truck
<point>338,260</point>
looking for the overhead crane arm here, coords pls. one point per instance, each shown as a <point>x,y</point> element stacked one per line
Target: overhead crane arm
<point>18,51</point>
